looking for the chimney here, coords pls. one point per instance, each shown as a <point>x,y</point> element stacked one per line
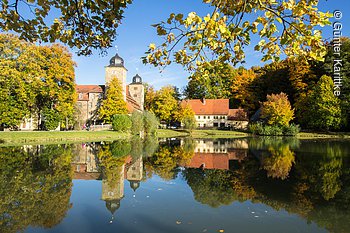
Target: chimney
<point>203,100</point>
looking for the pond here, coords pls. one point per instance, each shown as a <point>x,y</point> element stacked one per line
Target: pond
<point>177,185</point>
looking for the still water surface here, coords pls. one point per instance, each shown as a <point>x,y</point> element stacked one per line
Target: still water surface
<point>179,185</point>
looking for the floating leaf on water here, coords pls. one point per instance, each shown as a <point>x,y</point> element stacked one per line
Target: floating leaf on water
<point>178,222</point>
<point>221,230</point>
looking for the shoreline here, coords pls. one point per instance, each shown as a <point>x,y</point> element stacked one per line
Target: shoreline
<point>60,137</point>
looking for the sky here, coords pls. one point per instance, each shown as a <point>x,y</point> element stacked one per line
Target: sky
<point>135,34</point>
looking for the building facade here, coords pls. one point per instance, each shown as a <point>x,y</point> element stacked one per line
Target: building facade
<point>217,113</point>
<point>90,96</point>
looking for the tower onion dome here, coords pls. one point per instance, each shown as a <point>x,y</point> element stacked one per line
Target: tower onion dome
<point>116,61</point>
<point>134,185</point>
<point>137,79</point>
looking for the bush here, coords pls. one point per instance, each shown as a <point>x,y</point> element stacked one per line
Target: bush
<point>137,123</point>
<point>121,123</point>
<point>151,122</point>
<point>273,130</point>
<point>291,130</point>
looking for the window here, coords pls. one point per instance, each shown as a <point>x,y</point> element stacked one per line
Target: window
<point>208,117</point>
<point>199,117</point>
<point>80,95</point>
<point>204,117</point>
<point>135,88</point>
<point>135,95</point>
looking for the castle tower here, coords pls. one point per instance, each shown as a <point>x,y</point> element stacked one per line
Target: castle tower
<point>116,69</point>
<point>137,90</point>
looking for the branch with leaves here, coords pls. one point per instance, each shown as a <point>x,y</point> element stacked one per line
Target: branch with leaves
<point>84,24</point>
<point>284,26</point>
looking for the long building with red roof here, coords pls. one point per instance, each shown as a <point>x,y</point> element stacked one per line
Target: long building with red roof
<point>216,113</point>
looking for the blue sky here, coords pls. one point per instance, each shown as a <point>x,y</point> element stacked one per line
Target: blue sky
<point>135,34</point>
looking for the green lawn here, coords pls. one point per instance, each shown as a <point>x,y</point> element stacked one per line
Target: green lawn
<point>59,137</point>
<point>45,137</point>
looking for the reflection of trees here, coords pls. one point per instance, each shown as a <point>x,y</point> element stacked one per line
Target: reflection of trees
<point>275,154</point>
<point>211,187</point>
<point>278,161</point>
<point>111,158</point>
<point>317,188</point>
<point>35,186</point>
<point>166,159</point>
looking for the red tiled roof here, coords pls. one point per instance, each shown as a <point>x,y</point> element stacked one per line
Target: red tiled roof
<point>89,88</point>
<point>132,104</point>
<point>208,106</point>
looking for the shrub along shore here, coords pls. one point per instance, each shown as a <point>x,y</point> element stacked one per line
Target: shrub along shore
<point>47,137</point>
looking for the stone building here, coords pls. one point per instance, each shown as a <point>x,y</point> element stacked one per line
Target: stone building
<point>89,96</point>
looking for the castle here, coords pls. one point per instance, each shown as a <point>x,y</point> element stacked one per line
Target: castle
<point>89,96</point>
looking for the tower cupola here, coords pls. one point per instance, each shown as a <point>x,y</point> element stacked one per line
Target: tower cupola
<point>116,61</point>
<point>137,79</point>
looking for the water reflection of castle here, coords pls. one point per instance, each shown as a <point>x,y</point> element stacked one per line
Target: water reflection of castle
<point>85,167</point>
<point>218,154</point>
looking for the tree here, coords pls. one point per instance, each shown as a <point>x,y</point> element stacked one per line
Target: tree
<point>137,123</point>
<point>277,110</point>
<point>86,25</point>
<point>165,104</point>
<point>184,111</point>
<point>190,123</point>
<point>15,95</point>
<point>150,122</point>
<point>150,93</point>
<point>114,102</point>
<point>121,123</point>
<point>35,79</point>
<point>284,27</point>
<point>327,68</point>
<point>211,81</point>
<point>56,90</point>
<point>322,108</point>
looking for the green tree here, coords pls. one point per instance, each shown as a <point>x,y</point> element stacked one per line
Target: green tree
<point>121,123</point>
<point>34,79</point>
<point>277,110</point>
<point>327,68</point>
<point>114,102</point>
<point>283,26</point>
<point>84,25</point>
<point>190,123</point>
<point>15,95</point>
<point>150,122</point>
<point>165,104</point>
<point>56,90</point>
<point>322,108</point>
<point>137,126</point>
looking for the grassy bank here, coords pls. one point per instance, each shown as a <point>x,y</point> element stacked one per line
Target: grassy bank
<point>22,137</point>
<point>313,135</point>
<point>44,137</point>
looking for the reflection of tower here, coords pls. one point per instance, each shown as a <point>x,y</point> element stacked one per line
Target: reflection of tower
<point>113,190</point>
<point>116,69</point>
<point>137,90</point>
<point>134,173</point>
